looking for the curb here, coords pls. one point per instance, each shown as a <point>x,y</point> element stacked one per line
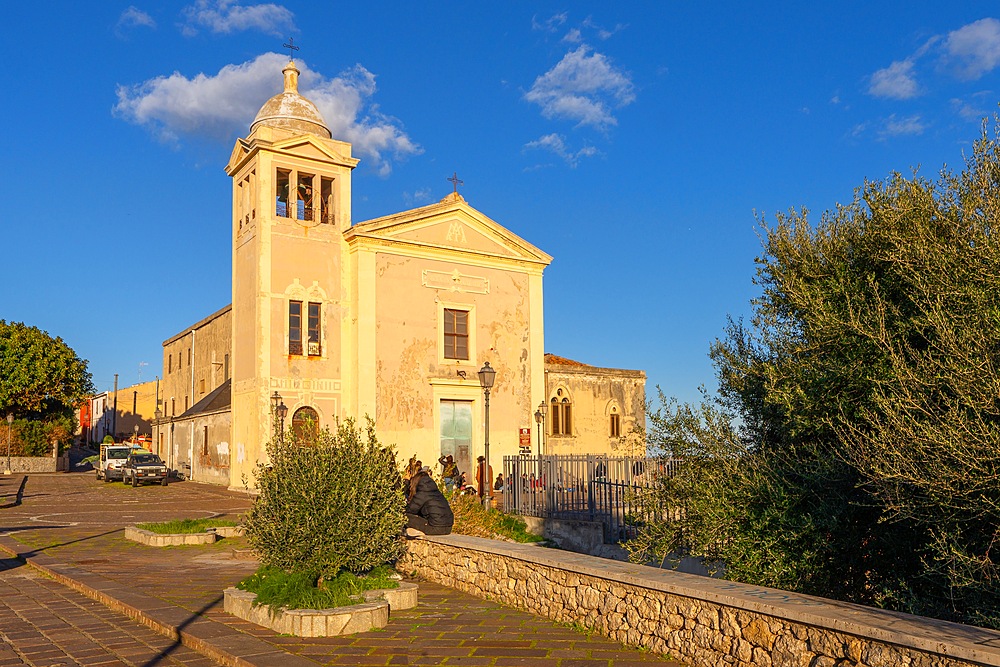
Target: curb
<point>210,638</point>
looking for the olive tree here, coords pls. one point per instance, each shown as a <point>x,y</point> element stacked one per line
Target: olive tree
<point>853,449</point>
<point>328,501</point>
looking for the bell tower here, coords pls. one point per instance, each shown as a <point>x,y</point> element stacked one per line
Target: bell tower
<point>291,205</point>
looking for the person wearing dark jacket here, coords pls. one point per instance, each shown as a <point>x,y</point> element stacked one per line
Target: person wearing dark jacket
<point>427,509</point>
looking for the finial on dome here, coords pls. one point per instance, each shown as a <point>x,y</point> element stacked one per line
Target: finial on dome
<point>291,73</point>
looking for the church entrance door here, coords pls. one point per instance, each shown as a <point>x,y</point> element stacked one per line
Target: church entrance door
<point>456,434</point>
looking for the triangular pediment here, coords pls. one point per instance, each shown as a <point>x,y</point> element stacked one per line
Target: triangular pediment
<point>451,224</point>
<point>301,146</point>
<point>309,146</point>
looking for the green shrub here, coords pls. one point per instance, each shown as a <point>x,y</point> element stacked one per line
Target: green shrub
<point>108,440</point>
<point>471,518</point>
<point>299,590</point>
<point>328,501</point>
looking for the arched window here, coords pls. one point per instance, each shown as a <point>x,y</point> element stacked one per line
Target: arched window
<point>305,423</point>
<point>562,414</point>
<point>615,425</point>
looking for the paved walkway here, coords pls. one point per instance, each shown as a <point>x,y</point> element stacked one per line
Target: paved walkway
<point>69,526</point>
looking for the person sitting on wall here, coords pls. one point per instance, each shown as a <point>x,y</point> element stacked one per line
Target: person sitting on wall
<point>427,510</point>
<point>498,485</point>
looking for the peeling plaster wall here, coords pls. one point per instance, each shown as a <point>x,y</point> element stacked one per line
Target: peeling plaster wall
<point>412,375</point>
<point>593,391</point>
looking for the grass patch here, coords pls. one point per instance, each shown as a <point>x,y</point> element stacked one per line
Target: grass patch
<point>182,526</point>
<point>471,518</point>
<point>299,590</point>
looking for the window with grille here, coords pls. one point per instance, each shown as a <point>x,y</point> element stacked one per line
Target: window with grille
<point>616,425</point>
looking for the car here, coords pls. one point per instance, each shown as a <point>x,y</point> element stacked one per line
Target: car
<point>144,467</point>
<point>112,461</point>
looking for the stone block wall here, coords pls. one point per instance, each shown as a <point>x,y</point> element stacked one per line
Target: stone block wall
<point>701,621</point>
<point>36,464</point>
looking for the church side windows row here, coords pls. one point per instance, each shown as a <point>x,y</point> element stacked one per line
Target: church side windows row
<point>313,314</point>
<point>303,196</point>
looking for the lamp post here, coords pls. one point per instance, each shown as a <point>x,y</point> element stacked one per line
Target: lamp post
<point>282,411</point>
<point>543,408</point>
<point>538,420</point>
<point>10,425</point>
<point>486,377</point>
<point>157,416</point>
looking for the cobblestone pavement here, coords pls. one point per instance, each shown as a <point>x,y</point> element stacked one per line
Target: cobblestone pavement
<point>46,624</point>
<point>74,520</point>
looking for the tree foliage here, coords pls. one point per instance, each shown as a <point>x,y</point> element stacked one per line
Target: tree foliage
<point>328,501</point>
<point>865,390</point>
<point>41,381</point>
<point>38,373</point>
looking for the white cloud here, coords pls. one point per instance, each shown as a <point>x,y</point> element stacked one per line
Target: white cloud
<point>582,87</point>
<point>603,33</point>
<point>131,18</point>
<point>896,81</point>
<point>557,144</point>
<point>573,36</point>
<point>226,16</point>
<point>550,24</point>
<point>417,196</point>
<point>974,48</point>
<point>223,105</point>
<point>973,108</point>
<point>896,127</point>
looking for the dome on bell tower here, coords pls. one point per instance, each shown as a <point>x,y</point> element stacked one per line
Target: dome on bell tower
<point>290,111</point>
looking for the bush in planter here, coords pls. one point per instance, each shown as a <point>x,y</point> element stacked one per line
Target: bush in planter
<point>328,501</point>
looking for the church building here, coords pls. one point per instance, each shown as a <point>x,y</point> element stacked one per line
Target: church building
<point>392,319</point>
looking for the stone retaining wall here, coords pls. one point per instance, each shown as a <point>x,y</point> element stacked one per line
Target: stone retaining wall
<point>36,464</point>
<point>702,621</point>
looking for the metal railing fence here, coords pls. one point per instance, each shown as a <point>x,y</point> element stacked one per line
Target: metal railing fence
<point>587,487</point>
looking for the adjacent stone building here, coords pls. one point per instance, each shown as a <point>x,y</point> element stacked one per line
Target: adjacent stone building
<point>389,319</point>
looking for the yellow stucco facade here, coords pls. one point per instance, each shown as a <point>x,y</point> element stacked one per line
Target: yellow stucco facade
<point>390,318</point>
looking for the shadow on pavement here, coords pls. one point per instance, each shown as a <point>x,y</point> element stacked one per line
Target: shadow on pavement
<point>29,554</point>
<point>165,653</point>
<point>19,496</point>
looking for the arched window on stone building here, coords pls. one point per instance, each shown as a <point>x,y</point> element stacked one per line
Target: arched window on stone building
<point>561,411</point>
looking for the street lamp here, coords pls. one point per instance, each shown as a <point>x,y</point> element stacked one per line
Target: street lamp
<point>486,377</point>
<point>542,408</point>
<point>10,425</point>
<point>538,420</point>
<point>282,412</point>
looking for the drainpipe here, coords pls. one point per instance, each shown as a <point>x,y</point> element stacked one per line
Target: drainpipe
<point>191,441</point>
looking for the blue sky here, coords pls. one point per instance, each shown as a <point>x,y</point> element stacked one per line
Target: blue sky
<point>633,143</point>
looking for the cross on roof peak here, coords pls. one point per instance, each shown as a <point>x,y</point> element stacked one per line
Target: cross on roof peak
<point>291,48</point>
<point>456,181</point>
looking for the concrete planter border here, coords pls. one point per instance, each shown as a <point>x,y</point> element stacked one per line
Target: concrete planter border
<point>149,538</point>
<point>370,615</point>
<point>228,531</point>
